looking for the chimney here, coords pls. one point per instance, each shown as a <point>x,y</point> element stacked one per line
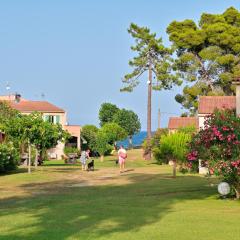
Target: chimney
<point>236,82</point>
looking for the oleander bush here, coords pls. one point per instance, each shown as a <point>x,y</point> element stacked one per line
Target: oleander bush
<point>218,144</point>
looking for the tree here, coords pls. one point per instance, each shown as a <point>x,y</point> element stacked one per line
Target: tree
<point>218,144</point>
<point>106,113</point>
<point>154,57</point>
<point>174,147</point>
<point>114,132</point>
<point>102,146</point>
<point>207,55</point>
<point>89,133</point>
<point>28,130</point>
<point>129,121</point>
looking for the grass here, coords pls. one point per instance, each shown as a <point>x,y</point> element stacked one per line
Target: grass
<point>62,202</point>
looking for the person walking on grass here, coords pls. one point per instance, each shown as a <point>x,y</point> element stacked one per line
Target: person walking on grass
<point>83,159</point>
<point>122,156</point>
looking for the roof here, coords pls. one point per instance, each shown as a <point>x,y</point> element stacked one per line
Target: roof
<point>35,106</point>
<point>179,122</point>
<point>207,104</point>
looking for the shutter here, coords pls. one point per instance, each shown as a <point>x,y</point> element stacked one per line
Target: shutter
<point>57,119</point>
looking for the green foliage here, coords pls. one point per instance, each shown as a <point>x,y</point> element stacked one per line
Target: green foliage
<point>128,120</point>
<point>89,133</point>
<point>32,129</point>
<point>155,144</point>
<point>188,130</point>
<point>9,157</point>
<point>102,146</point>
<point>106,113</point>
<point>175,146</point>
<point>68,150</point>
<point>218,144</point>
<point>151,54</point>
<point>114,132</point>
<point>207,55</point>
<point>6,113</point>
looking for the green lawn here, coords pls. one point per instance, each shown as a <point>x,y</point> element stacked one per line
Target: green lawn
<point>62,202</point>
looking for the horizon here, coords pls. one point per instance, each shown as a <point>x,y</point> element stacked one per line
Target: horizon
<point>74,54</point>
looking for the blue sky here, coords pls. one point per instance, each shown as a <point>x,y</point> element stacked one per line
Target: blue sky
<point>76,52</point>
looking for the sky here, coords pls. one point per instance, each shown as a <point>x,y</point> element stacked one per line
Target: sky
<point>75,53</point>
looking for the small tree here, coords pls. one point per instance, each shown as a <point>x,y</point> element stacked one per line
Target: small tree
<point>89,133</point>
<point>106,113</point>
<point>219,145</point>
<point>175,147</point>
<point>102,146</point>
<point>28,130</point>
<point>114,132</point>
<point>129,121</point>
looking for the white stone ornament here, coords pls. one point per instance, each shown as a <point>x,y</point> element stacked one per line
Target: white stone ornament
<point>224,188</point>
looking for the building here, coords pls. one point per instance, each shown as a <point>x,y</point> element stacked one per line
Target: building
<point>49,113</point>
<point>180,122</point>
<point>208,104</point>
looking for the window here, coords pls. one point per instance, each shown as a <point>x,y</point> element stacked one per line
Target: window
<point>52,118</point>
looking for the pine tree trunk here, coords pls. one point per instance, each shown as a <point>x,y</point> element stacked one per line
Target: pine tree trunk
<point>174,168</point>
<point>149,112</point>
<point>101,158</point>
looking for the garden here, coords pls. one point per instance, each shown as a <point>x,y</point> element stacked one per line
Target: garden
<point>63,202</point>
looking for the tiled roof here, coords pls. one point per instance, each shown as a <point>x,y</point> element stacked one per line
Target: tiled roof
<point>38,106</point>
<point>178,122</point>
<point>207,104</point>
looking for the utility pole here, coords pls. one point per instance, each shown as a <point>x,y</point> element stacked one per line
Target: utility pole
<point>149,111</point>
<point>159,118</point>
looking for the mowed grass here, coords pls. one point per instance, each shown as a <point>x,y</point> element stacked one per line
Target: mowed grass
<point>62,202</point>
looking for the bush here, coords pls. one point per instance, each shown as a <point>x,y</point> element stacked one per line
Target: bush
<point>9,158</point>
<point>68,150</point>
<point>175,147</point>
<point>219,145</point>
<point>155,143</point>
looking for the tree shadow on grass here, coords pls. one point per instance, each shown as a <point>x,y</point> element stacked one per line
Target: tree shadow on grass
<point>92,212</point>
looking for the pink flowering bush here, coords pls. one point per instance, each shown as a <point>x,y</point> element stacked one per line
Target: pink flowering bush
<point>219,145</point>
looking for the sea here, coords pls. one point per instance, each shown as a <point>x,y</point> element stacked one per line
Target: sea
<point>137,140</point>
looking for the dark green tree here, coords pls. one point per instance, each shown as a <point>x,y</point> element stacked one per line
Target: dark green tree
<point>207,55</point>
<point>106,113</point>
<point>153,57</point>
<point>129,121</point>
<point>89,133</point>
<point>32,130</point>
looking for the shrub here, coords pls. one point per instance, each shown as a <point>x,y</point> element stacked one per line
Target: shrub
<point>9,158</point>
<point>175,147</point>
<point>155,143</point>
<point>68,150</point>
<point>219,145</point>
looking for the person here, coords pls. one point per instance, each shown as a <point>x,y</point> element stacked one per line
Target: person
<point>122,156</point>
<point>83,159</point>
